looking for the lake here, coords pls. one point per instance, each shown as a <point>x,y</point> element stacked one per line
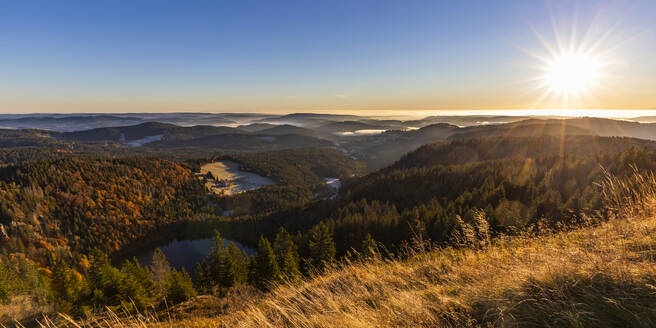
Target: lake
<point>186,253</point>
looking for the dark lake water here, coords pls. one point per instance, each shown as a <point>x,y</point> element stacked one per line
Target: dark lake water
<point>186,253</point>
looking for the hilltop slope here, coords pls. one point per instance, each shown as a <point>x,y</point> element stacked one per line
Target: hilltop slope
<point>602,276</point>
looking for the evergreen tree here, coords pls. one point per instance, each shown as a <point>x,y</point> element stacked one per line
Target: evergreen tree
<point>104,280</point>
<point>225,266</point>
<point>219,267</point>
<point>369,247</point>
<point>238,262</point>
<point>137,284</point>
<point>265,266</point>
<point>179,287</point>
<point>202,277</point>
<point>161,269</point>
<point>215,258</point>
<point>287,254</point>
<point>322,246</point>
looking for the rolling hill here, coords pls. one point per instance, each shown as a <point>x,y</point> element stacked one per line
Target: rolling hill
<point>255,127</point>
<point>461,151</point>
<point>524,129</point>
<point>348,126</point>
<point>239,142</point>
<point>286,129</point>
<point>140,131</point>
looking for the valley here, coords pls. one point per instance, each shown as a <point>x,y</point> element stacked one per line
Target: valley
<point>199,210</point>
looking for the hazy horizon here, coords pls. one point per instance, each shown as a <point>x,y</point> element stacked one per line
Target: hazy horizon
<point>603,113</point>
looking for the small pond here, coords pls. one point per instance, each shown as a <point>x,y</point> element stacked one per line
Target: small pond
<point>186,253</point>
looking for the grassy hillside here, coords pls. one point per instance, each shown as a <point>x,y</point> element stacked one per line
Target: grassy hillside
<point>600,274</point>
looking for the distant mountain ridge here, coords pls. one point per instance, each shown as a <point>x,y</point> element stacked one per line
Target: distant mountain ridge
<point>245,142</point>
<point>170,131</point>
<point>78,122</point>
<point>385,141</point>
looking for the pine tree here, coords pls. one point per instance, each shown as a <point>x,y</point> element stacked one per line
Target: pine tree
<point>161,269</point>
<point>369,247</point>
<point>179,287</point>
<point>286,254</point>
<point>219,263</point>
<point>104,280</point>
<point>202,277</point>
<point>217,241</point>
<point>265,269</point>
<point>225,266</point>
<point>137,285</point>
<point>322,246</point>
<point>238,262</point>
<point>97,260</point>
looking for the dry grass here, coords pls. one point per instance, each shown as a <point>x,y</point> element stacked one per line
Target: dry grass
<point>604,275</point>
<point>599,276</point>
<point>22,307</point>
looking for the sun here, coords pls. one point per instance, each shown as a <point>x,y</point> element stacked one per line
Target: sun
<point>572,73</point>
<point>573,67</point>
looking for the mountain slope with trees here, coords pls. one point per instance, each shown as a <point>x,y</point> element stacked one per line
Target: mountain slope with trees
<point>518,183</point>
<point>60,207</point>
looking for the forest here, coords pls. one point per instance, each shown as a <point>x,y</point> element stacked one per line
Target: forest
<point>67,207</point>
<point>63,220</point>
<point>515,192</point>
<point>299,175</point>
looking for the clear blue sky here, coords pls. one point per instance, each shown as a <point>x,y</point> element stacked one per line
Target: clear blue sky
<point>288,56</point>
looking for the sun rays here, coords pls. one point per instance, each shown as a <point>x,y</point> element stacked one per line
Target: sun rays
<point>571,69</point>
